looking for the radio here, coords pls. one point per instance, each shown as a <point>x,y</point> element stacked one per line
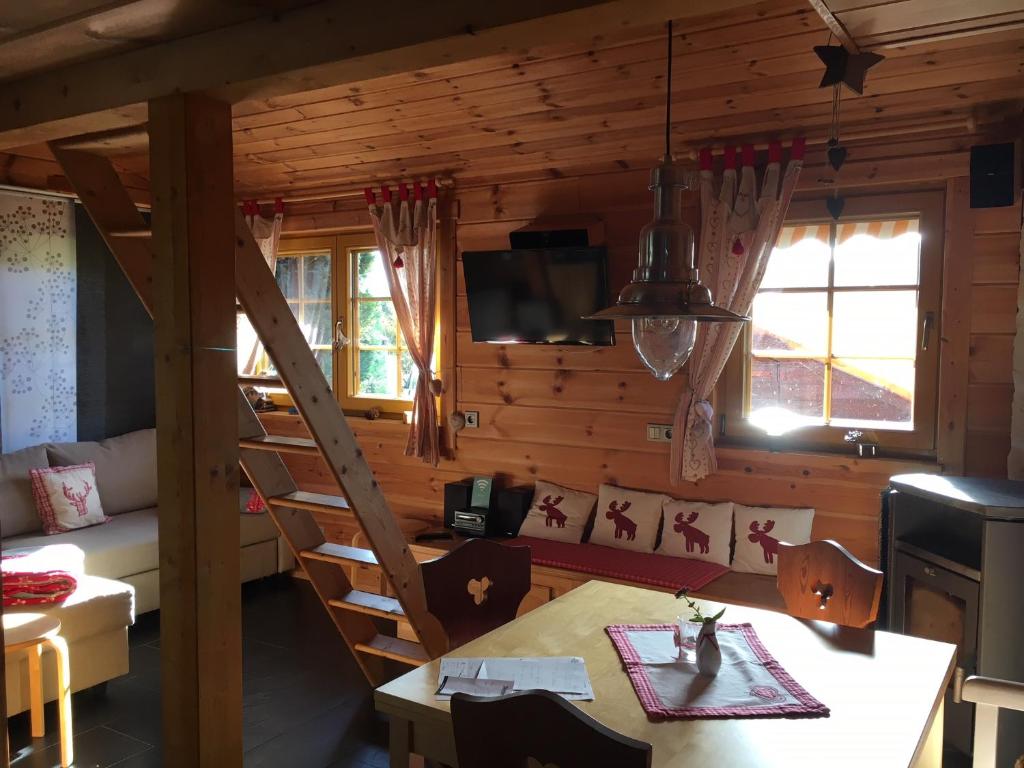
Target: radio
<point>501,517</point>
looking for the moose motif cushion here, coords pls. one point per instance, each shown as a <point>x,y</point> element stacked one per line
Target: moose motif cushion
<point>66,497</point>
<point>627,519</point>
<point>697,530</point>
<point>759,531</point>
<point>558,513</point>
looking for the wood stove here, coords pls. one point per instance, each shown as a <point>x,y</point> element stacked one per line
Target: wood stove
<point>953,554</point>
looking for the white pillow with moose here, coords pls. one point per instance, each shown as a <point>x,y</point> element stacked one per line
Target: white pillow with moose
<point>557,513</point>
<point>759,531</point>
<point>66,497</point>
<point>698,530</point>
<point>627,519</point>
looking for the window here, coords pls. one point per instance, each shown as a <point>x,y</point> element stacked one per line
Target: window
<point>844,329</point>
<point>332,284</point>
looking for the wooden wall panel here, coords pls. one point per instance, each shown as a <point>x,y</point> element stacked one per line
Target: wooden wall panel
<point>995,237</point>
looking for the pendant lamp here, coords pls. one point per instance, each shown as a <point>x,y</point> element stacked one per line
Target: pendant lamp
<point>666,299</point>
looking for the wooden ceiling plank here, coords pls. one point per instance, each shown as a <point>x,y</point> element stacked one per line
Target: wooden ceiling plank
<point>835,26</point>
<point>326,44</point>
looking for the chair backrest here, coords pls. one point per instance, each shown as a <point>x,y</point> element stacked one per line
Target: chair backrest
<point>503,732</point>
<point>822,580</point>
<point>991,695</point>
<point>476,587</point>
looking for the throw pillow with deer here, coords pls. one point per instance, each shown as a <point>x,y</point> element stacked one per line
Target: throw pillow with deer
<point>66,498</point>
<point>759,531</point>
<point>627,519</point>
<point>698,530</point>
<point>558,513</point>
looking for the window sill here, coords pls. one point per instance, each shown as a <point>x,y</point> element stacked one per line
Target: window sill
<point>848,460</point>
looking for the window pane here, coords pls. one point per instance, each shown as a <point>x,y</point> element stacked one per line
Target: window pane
<point>877,253</point>
<point>288,277</point>
<point>316,283</point>
<point>296,309</point>
<point>410,375</point>
<point>874,324</point>
<point>796,322</point>
<point>370,277</point>
<point>378,373</point>
<point>378,325</point>
<point>316,323</point>
<point>873,392</point>
<point>800,260</point>
<point>785,394</point>
<point>325,357</point>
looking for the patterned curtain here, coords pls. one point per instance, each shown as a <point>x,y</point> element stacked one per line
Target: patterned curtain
<point>739,228</point>
<point>406,239</point>
<point>267,234</point>
<point>38,386</point>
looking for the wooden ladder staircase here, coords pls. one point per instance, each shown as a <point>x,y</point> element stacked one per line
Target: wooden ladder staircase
<point>365,620</point>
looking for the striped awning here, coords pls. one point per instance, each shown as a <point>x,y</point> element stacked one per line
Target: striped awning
<point>883,230</point>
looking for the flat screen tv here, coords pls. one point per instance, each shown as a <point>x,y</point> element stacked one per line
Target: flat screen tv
<point>530,296</point>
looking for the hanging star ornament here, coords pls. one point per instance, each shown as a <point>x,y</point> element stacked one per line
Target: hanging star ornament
<point>841,66</point>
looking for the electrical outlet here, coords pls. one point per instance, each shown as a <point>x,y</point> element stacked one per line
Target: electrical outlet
<point>472,419</point>
<point>659,433</point>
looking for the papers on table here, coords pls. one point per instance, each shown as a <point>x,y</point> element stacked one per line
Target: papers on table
<point>564,675</point>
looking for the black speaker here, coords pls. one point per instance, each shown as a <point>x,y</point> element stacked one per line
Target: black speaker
<point>993,175</point>
<point>513,504</point>
<point>456,497</point>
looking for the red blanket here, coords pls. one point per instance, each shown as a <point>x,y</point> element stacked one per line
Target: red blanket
<point>643,567</point>
<point>36,587</point>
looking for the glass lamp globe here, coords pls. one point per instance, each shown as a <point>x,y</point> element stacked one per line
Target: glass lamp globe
<point>664,344</point>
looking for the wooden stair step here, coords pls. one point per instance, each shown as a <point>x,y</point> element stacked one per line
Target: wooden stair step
<point>369,603</point>
<point>131,233</point>
<point>342,555</point>
<point>395,648</point>
<point>281,444</point>
<point>314,502</point>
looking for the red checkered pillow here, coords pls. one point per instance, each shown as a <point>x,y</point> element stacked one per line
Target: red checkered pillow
<point>66,497</point>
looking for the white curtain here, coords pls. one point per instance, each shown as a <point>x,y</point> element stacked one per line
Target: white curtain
<point>267,234</point>
<point>1015,461</point>
<point>38,300</point>
<point>407,243</point>
<point>739,227</point>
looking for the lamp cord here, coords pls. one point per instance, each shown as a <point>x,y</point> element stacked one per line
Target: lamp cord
<point>668,97</point>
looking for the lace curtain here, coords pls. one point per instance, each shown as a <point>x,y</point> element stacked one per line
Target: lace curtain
<point>267,234</point>
<point>739,227</point>
<point>406,238</point>
<point>38,385</point>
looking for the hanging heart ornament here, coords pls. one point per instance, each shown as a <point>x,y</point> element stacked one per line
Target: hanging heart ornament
<point>836,156</point>
<point>835,206</point>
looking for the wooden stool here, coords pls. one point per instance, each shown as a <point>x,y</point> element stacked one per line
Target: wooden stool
<point>31,632</point>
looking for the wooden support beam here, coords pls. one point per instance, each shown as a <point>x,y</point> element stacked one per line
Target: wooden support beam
<point>197,431</point>
<point>323,44</point>
<point>835,25</point>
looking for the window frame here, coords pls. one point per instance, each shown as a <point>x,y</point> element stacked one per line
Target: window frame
<point>919,441</point>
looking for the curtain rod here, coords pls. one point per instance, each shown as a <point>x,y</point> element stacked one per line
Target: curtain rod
<point>444,183</point>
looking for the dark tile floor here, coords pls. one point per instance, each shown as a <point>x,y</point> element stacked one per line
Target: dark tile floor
<point>306,704</point>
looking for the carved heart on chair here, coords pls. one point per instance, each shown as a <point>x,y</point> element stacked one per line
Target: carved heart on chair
<point>478,589</point>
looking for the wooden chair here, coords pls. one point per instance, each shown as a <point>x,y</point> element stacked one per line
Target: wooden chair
<point>504,732</point>
<point>990,695</point>
<point>476,587</point>
<point>822,580</point>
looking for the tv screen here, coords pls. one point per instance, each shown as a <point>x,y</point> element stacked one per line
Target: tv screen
<point>538,296</point>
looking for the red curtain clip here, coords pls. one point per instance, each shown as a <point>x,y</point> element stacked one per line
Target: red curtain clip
<point>705,158</point>
<point>417,191</point>
<point>797,150</point>
<point>748,155</point>
<point>278,205</point>
<point>403,192</point>
<point>371,199</point>
<point>730,158</point>
<point>385,194</point>
<point>775,152</point>
<point>432,188</point>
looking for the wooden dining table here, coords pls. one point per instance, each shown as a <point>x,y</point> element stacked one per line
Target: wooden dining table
<point>884,691</point>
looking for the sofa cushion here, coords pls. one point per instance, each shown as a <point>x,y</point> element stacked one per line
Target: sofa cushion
<point>125,468</point>
<point>558,513</point>
<point>17,509</point>
<point>697,529</point>
<point>66,498</point>
<point>627,519</point>
<point>759,531</point>
<point>96,606</point>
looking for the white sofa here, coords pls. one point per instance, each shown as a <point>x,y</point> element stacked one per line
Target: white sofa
<point>118,561</point>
